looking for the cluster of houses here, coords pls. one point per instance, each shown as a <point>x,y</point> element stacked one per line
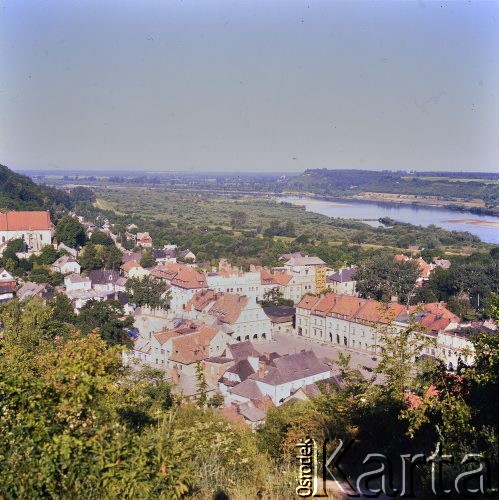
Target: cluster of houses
<point>216,321</point>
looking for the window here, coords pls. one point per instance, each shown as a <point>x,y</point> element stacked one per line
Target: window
<point>337,339</point>
<point>345,341</point>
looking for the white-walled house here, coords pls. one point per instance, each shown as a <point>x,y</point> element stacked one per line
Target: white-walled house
<point>278,379</point>
<point>75,282</point>
<point>342,281</point>
<point>66,264</point>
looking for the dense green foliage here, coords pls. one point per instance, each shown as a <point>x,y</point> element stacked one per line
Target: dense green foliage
<point>108,317</point>
<point>147,291</point>
<point>18,192</point>
<point>381,278</point>
<point>70,232</point>
<point>99,257</point>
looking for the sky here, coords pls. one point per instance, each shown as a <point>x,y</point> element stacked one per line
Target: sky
<point>258,86</point>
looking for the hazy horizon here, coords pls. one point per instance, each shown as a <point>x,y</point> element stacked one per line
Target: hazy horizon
<point>250,86</point>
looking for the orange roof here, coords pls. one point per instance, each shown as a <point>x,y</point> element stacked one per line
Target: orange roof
<point>228,307</point>
<point>346,306</point>
<point>325,304</point>
<point>282,278</point>
<point>308,302</point>
<point>25,221</point>
<point>266,277</point>
<point>127,266</point>
<point>377,312</point>
<point>192,347</point>
<point>401,258</point>
<point>200,300</point>
<point>187,277</point>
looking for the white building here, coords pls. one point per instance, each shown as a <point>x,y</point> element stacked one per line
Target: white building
<point>75,282</point>
<point>342,281</point>
<point>65,265</point>
<point>244,317</point>
<point>34,228</point>
<point>277,379</point>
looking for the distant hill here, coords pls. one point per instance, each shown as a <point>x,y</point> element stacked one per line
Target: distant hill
<point>19,192</point>
<point>351,182</point>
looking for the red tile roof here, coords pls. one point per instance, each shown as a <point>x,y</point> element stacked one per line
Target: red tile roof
<point>308,302</point>
<point>227,307</point>
<point>25,221</point>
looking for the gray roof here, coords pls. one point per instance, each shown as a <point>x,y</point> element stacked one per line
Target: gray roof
<point>127,256</point>
<point>242,368</point>
<point>242,350</point>
<point>343,275</point>
<point>77,278</point>
<point>29,289</point>
<point>287,256</point>
<point>247,389</point>
<point>251,412</point>
<point>63,260</point>
<point>280,314</point>
<point>103,276</point>
<point>305,261</point>
<point>292,367</point>
<point>160,253</point>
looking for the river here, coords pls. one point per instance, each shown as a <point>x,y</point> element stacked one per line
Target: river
<point>484,226</point>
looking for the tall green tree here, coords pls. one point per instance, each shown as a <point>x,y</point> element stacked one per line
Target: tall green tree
<point>70,232</point>
<point>108,317</point>
<point>380,277</point>
<point>147,291</point>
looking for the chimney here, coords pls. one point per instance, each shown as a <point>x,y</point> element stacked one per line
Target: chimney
<point>261,369</point>
<point>175,375</point>
<point>393,299</point>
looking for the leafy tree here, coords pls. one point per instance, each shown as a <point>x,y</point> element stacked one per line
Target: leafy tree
<point>147,260</point>
<point>202,385</point>
<point>89,258</point>
<point>62,309</point>
<point>380,277</point>
<point>274,297</point>
<point>70,232</point>
<point>147,291</point>
<point>42,275</point>
<point>82,195</point>
<point>14,246</point>
<point>216,401</point>
<point>101,238</point>
<point>400,358</point>
<point>423,295</point>
<point>111,257</point>
<point>238,219</point>
<point>48,255</point>
<point>108,318</point>
<point>462,307</point>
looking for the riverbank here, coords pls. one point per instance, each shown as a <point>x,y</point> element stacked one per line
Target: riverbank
<point>365,210</point>
<point>477,206</point>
